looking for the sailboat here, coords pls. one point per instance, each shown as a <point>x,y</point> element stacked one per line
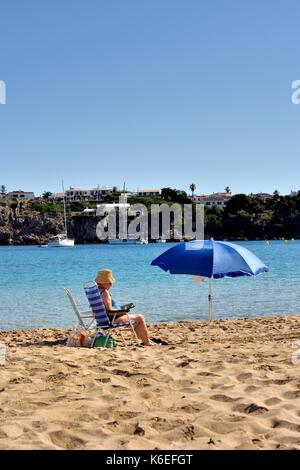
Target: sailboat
<point>61,240</point>
<point>130,238</point>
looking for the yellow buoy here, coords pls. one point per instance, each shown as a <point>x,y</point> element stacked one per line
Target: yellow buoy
<point>198,279</point>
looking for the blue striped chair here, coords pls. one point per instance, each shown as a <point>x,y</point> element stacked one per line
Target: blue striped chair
<point>103,322</point>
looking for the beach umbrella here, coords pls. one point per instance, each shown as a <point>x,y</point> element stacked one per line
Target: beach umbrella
<point>211,259</point>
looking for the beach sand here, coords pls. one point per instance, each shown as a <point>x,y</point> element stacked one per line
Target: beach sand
<point>241,391</point>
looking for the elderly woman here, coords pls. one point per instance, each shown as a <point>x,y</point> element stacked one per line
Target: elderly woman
<point>105,280</point>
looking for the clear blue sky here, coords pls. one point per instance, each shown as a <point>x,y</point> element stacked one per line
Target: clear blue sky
<point>154,92</point>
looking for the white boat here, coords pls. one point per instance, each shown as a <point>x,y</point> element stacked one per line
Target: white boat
<point>128,241</point>
<point>160,240</point>
<point>61,240</point>
<point>142,241</point>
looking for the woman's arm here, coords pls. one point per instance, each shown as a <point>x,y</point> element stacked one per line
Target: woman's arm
<point>107,300</point>
<point>108,304</point>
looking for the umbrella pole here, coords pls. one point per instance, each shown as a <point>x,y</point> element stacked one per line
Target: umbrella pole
<point>209,307</point>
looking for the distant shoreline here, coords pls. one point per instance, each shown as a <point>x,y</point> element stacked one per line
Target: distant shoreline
<point>167,241</point>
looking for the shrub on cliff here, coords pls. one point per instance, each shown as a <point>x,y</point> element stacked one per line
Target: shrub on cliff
<point>47,207</point>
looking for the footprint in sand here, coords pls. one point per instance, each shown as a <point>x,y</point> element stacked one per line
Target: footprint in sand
<point>191,408</point>
<point>224,398</point>
<point>291,394</point>
<point>128,414</point>
<point>143,382</point>
<point>244,377</point>
<point>251,408</point>
<point>125,373</point>
<point>251,389</point>
<point>286,425</point>
<point>186,362</point>
<point>20,380</point>
<point>56,378</point>
<point>66,440</point>
<point>39,425</point>
<point>272,401</point>
<point>207,374</point>
<point>279,381</point>
<point>161,424</point>
<point>104,380</point>
<point>189,432</point>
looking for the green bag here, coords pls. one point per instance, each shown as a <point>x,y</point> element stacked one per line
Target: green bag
<point>100,342</point>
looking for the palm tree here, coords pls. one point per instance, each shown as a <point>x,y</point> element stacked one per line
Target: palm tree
<point>228,190</point>
<point>46,194</point>
<point>192,188</point>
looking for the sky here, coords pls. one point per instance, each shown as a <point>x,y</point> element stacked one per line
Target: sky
<point>152,92</point>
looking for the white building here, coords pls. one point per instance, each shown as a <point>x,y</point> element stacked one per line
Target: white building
<point>57,196</point>
<point>95,194</point>
<point>215,199</point>
<point>77,194</point>
<point>262,196</point>
<point>19,194</point>
<point>148,193</point>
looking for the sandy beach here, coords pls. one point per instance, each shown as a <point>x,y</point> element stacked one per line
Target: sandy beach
<point>242,391</point>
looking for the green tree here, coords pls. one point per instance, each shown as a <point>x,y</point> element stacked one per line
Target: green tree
<point>240,202</point>
<point>3,189</point>
<point>46,194</point>
<point>241,217</point>
<point>175,195</point>
<point>213,222</point>
<point>228,190</point>
<point>192,188</point>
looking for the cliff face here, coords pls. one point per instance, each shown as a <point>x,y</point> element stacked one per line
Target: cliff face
<point>21,226</point>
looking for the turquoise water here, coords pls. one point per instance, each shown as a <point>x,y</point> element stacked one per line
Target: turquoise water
<point>32,281</point>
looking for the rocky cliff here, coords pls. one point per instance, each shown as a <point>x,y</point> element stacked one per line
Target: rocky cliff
<point>21,225</point>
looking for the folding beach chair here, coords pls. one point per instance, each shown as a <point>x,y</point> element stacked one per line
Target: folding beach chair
<point>86,320</point>
<point>103,322</point>
<point>81,316</point>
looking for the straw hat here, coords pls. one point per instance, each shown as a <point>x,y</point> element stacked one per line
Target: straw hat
<point>105,276</point>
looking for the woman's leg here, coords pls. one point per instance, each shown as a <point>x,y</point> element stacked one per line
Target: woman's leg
<point>139,326</point>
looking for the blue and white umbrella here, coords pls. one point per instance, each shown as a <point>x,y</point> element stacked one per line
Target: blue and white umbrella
<point>211,259</point>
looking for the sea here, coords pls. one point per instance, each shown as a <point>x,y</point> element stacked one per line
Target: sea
<point>32,282</point>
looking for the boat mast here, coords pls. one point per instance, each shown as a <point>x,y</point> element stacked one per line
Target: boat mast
<point>65,217</point>
<point>124,209</point>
